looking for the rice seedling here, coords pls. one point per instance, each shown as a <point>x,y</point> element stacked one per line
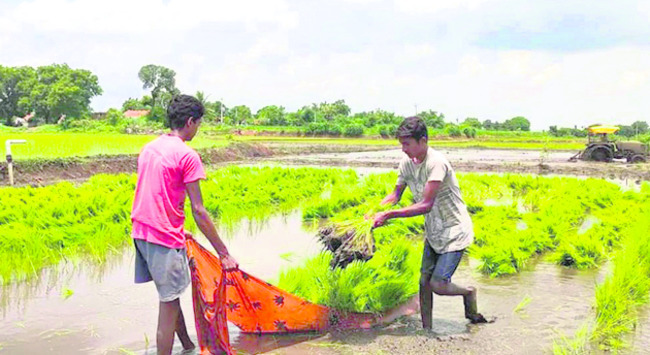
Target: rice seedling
<point>66,293</point>
<point>41,226</point>
<point>348,241</point>
<point>385,281</point>
<point>628,287</point>
<point>66,145</point>
<point>522,305</point>
<point>577,345</point>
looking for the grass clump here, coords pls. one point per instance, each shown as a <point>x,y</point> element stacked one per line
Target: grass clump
<point>385,281</point>
<point>628,287</point>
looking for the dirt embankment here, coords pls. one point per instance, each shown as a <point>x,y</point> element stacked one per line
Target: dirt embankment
<point>39,172</point>
<point>43,172</point>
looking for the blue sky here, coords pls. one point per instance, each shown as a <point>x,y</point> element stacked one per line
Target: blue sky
<point>555,62</point>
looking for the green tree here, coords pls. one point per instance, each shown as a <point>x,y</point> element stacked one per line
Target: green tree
<point>240,114</point>
<point>626,131</point>
<point>640,127</point>
<point>57,89</point>
<point>14,85</point>
<point>472,122</point>
<point>433,119</point>
<point>161,81</point>
<point>220,110</point>
<point>377,117</point>
<point>518,123</point>
<point>271,115</point>
<point>135,104</point>
<point>307,114</point>
<point>331,110</point>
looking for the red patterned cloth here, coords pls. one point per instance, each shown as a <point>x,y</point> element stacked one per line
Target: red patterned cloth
<point>253,305</point>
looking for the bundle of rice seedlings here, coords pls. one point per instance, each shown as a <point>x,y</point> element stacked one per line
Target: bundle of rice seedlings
<point>349,241</point>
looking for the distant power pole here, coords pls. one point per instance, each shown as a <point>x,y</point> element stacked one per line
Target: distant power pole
<point>221,109</point>
<point>416,109</point>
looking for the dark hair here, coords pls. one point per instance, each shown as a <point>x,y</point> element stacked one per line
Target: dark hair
<point>181,108</point>
<point>412,127</point>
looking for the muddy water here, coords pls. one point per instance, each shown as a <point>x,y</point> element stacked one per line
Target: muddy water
<point>481,161</point>
<point>559,300</point>
<point>639,340</point>
<point>454,155</point>
<point>487,160</point>
<point>107,313</point>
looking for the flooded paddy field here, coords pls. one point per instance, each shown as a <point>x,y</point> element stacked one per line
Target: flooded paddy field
<point>107,313</point>
<point>486,160</point>
<point>85,307</point>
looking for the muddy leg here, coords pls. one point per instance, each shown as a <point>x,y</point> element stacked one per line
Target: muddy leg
<point>447,288</point>
<point>181,331</point>
<point>469,301</point>
<point>426,301</point>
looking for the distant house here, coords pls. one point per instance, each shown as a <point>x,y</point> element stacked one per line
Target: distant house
<point>135,113</point>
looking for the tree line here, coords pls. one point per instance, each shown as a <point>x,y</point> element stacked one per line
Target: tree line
<point>49,92</point>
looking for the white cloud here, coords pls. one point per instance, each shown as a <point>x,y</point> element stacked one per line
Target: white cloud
<point>435,6</point>
<point>415,52</point>
<point>143,16</point>
<point>259,53</point>
<point>515,63</point>
<point>470,65</point>
<point>365,2</point>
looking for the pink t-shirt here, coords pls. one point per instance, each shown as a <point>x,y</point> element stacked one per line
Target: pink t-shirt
<point>165,166</point>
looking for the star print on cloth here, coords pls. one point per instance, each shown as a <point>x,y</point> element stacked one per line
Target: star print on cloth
<point>253,305</point>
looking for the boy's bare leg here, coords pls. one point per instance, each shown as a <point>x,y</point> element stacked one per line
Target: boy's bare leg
<point>181,331</point>
<point>426,301</point>
<point>167,320</point>
<point>445,288</point>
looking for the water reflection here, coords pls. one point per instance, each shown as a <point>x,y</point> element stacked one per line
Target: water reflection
<point>51,281</point>
<point>107,311</point>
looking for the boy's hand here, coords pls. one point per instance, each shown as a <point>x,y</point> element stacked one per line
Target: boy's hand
<point>380,218</point>
<point>229,263</point>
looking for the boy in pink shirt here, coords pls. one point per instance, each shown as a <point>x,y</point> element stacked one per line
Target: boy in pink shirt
<point>168,169</point>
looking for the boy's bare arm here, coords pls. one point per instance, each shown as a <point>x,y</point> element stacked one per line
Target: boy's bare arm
<point>395,196</point>
<point>416,209</point>
<point>205,224</point>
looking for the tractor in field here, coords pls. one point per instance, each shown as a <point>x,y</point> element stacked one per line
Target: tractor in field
<point>601,148</point>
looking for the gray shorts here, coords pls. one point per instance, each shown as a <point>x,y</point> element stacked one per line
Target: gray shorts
<point>166,267</point>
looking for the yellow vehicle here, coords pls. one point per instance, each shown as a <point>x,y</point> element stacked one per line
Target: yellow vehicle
<point>601,148</point>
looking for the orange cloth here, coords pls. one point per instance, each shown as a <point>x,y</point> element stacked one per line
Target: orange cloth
<point>252,305</point>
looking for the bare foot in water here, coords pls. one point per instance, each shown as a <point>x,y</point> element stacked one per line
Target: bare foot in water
<point>479,319</point>
<point>471,311</point>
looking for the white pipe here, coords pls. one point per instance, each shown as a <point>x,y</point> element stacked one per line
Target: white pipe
<point>10,160</point>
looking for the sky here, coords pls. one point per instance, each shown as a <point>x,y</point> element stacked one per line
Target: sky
<point>567,63</point>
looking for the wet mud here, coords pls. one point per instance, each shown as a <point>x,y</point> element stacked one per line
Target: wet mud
<point>486,160</point>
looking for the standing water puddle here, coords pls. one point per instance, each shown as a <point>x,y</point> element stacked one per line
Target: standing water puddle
<point>107,313</point>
